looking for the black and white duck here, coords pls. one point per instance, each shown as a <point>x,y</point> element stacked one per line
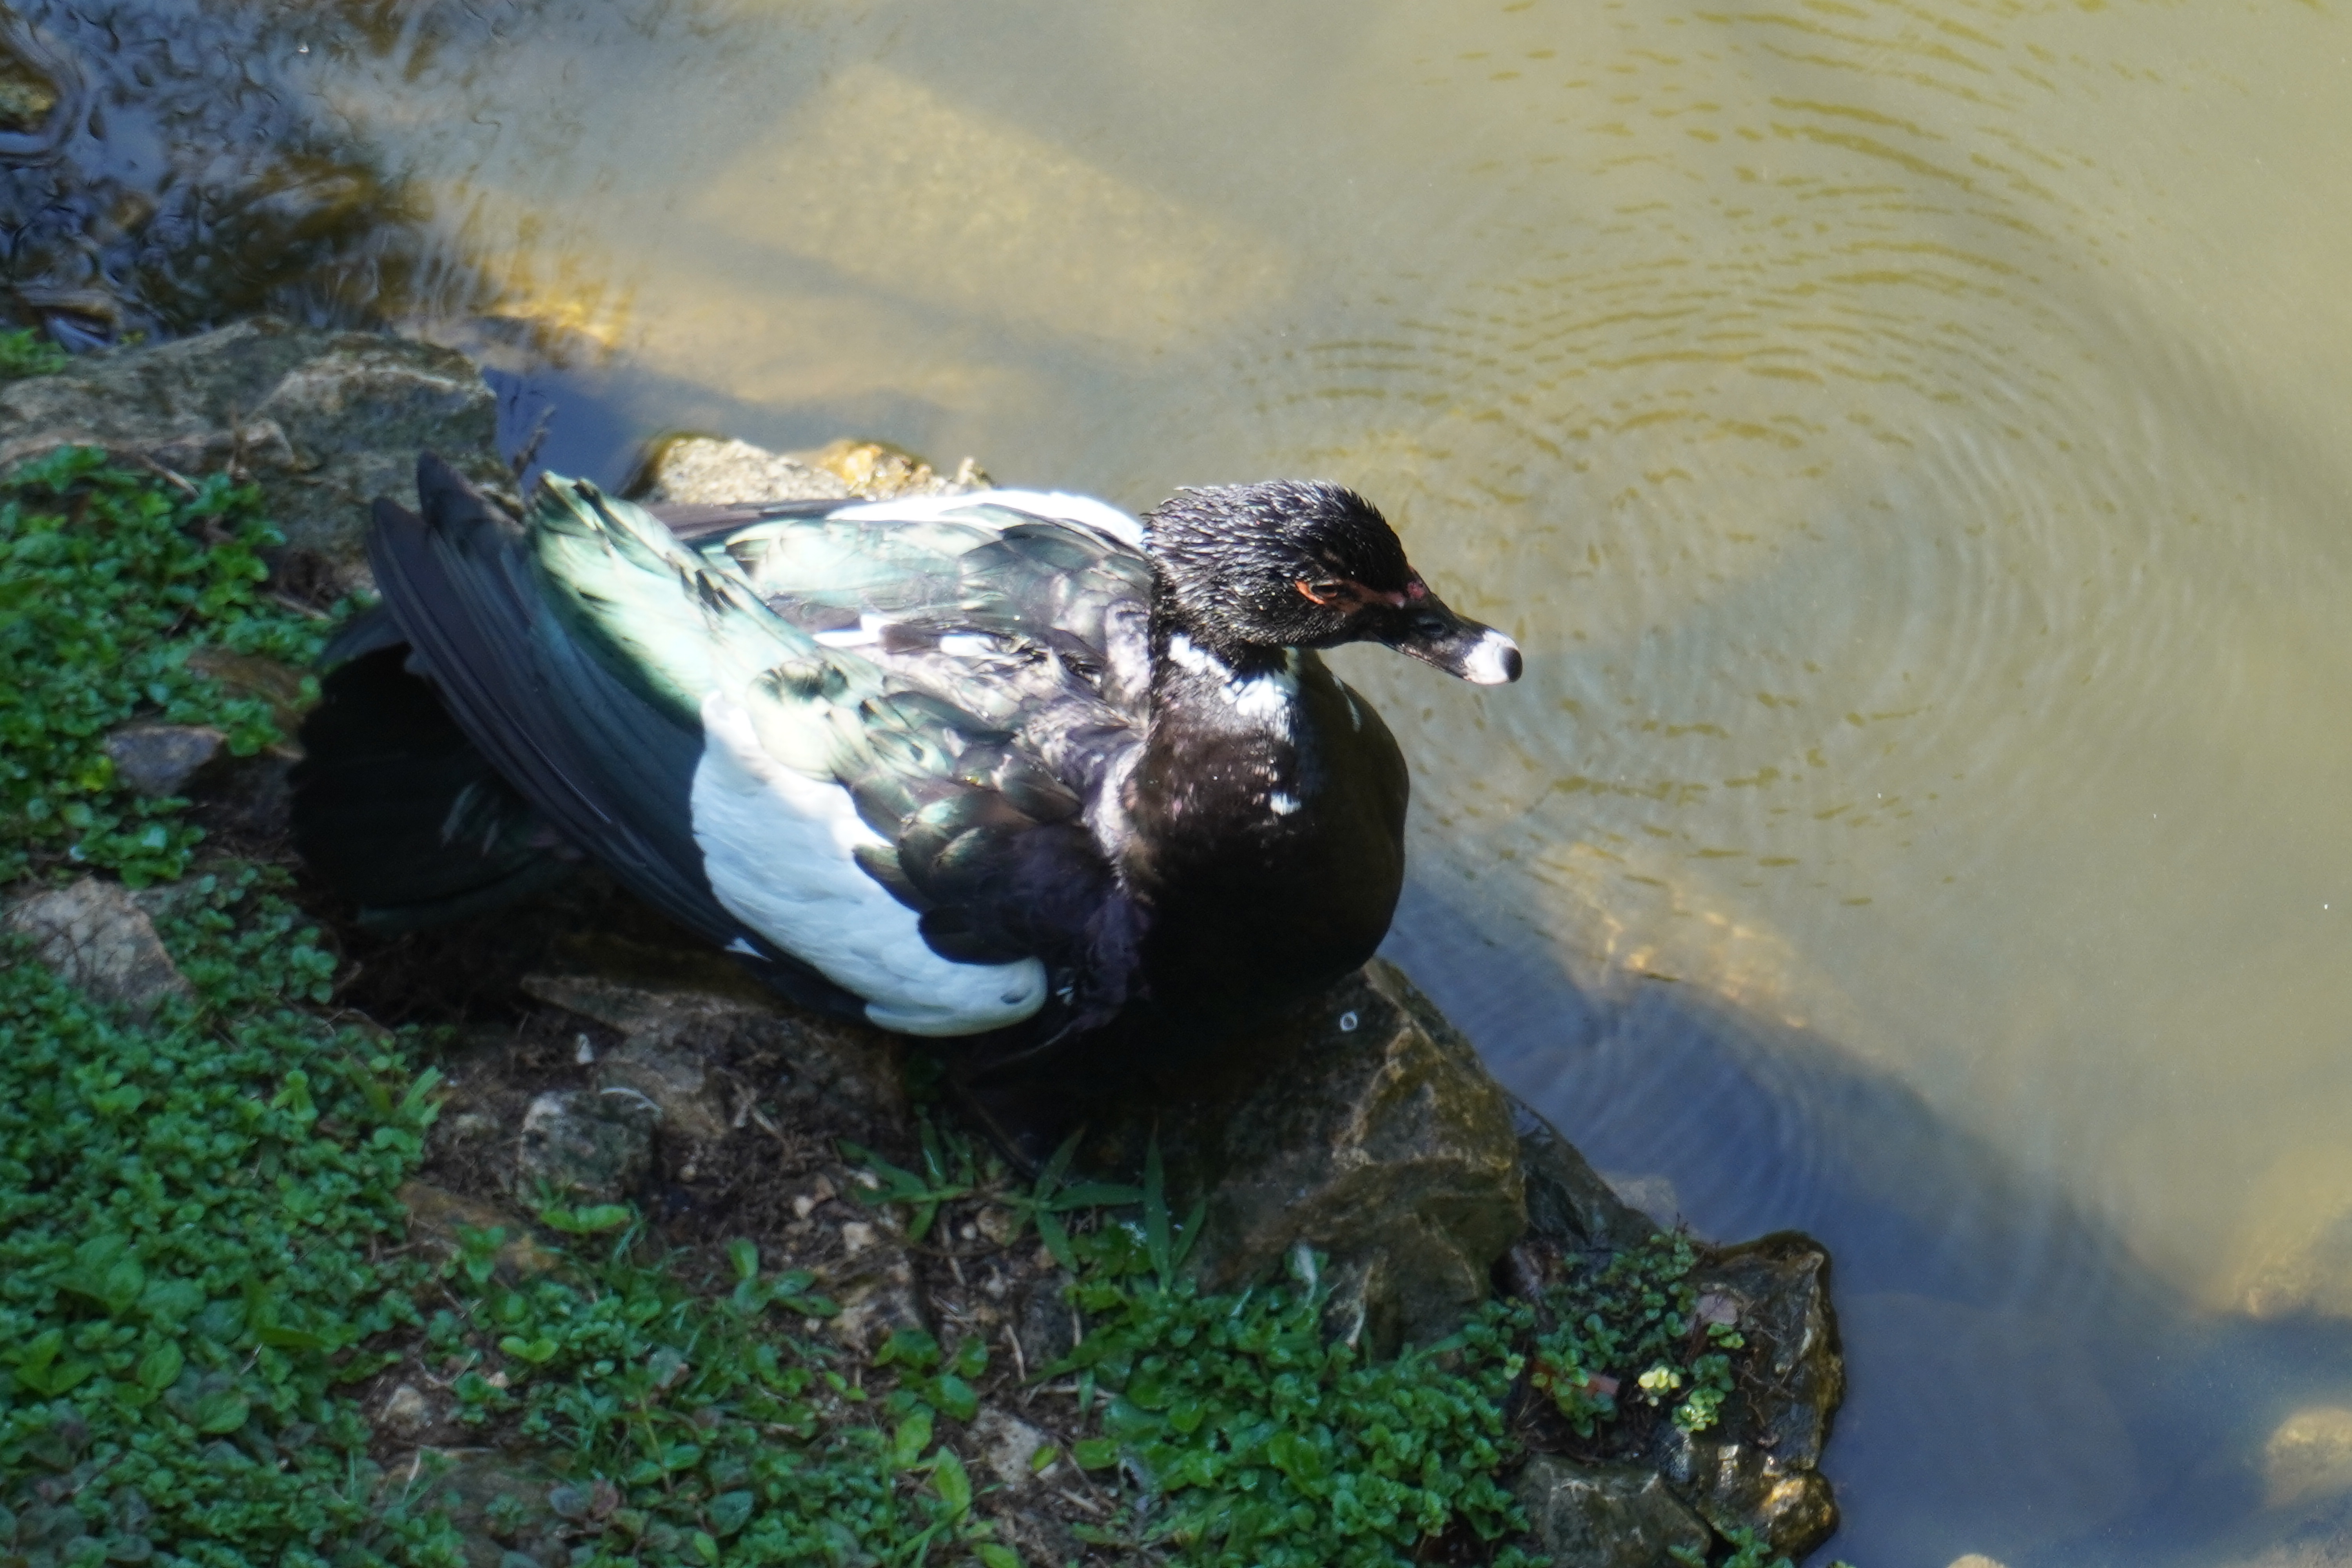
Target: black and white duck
<point>956,766</point>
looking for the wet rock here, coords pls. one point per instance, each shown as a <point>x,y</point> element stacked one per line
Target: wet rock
<point>1007,1445</point>
<point>1363,1128</point>
<point>1758,1468</point>
<point>1607,1517</point>
<point>26,94</point>
<point>596,1146</point>
<point>434,1215</point>
<point>95,935</point>
<point>1568,1202</point>
<point>324,422</point>
<point>157,760</point>
<point>702,469</point>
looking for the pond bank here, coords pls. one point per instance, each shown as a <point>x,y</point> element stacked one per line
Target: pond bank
<point>1091,1365</point>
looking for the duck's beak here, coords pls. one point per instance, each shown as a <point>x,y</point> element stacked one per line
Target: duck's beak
<point>1478,654</point>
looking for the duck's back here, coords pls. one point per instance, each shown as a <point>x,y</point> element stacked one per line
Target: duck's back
<point>1024,610</point>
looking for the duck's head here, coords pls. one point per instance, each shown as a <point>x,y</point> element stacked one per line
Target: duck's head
<point>1306,563</point>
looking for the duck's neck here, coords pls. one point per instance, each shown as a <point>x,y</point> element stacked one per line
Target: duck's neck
<point>1267,811</point>
<point>1198,685</point>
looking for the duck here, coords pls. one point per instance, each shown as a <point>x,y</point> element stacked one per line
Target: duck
<point>1004,764</point>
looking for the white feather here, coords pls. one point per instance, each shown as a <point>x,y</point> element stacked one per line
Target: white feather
<point>777,844</point>
<point>1085,512</point>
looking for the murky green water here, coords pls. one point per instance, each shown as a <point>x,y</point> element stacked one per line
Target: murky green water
<point>1913,442</point>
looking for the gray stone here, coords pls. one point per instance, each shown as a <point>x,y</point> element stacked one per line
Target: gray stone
<point>713,471</point>
<point>95,935</point>
<point>685,1093</point>
<point>877,1292</point>
<point>1007,1445</point>
<point>1363,1128</point>
<point>1607,1517</point>
<point>324,422</point>
<point>1758,1468</point>
<point>1047,1326</point>
<point>679,1008</point>
<point>157,760</point>
<point>596,1146</point>
<point>405,1412</point>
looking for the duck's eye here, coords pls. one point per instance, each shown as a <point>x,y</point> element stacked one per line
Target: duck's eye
<point>1321,593</point>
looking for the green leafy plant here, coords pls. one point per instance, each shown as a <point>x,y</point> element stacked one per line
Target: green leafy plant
<point>1631,1331</point>
<point>691,1429</point>
<point>109,579</point>
<point>26,352</point>
<point>194,1214</point>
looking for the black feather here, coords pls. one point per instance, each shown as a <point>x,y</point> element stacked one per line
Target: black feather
<point>399,812</point>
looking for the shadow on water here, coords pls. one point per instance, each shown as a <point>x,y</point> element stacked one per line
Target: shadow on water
<point>2020,1386</point>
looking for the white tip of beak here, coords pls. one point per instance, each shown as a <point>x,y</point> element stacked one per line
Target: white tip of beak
<point>1495,661</point>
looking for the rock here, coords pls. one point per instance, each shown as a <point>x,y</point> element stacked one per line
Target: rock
<point>435,1213</point>
<point>878,1293</point>
<point>1568,1204</point>
<point>684,1093</point>
<point>1364,1128</point>
<point>286,690</point>
<point>407,1413</point>
<point>877,471</point>
<point>596,1146</point>
<point>1758,1468</point>
<point>1046,1325</point>
<point>26,96</point>
<point>1007,1445</point>
<point>680,1008</point>
<point>1607,1517</point>
<point>502,1508</point>
<point>95,935</point>
<point>710,470</point>
<point>157,760</point>
<point>325,422</point>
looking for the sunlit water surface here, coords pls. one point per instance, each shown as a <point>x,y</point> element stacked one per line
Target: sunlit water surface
<point>1911,441</point>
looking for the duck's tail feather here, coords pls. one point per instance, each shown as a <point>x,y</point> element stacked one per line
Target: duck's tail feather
<point>605,761</point>
<point>398,811</point>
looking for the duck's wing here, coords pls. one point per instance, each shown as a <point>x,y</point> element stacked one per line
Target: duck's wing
<point>1025,611</point>
<point>723,762</point>
<point>1059,577</point>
